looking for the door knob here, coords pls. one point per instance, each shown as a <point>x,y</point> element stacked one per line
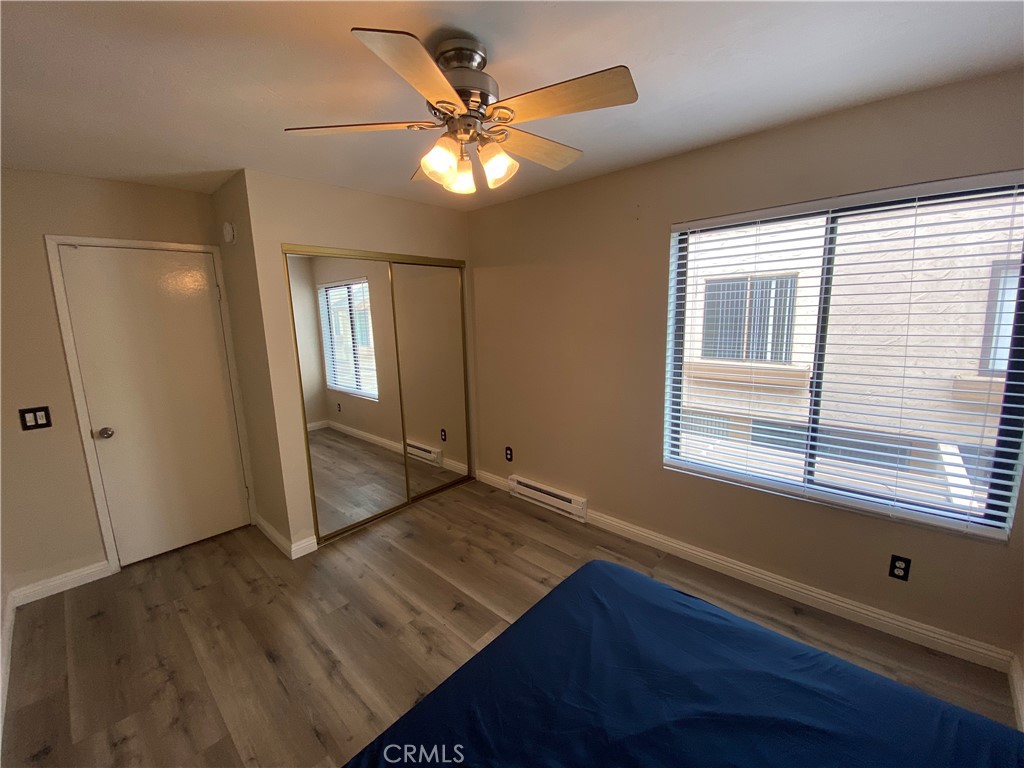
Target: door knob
<point>105,432</point>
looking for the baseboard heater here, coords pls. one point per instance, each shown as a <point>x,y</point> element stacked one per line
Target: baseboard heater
<point>423,453</point>
<point>552,498</point>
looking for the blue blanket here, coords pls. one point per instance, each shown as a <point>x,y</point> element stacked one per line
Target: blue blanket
<point>613,668</point>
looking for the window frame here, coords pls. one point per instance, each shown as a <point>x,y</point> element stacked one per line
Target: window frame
<point>1000,271</point>
<point>1007,461</point>
<point>331,386</point>
<point>748,319</point>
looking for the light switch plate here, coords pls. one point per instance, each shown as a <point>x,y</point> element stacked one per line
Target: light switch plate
<point>35,418</point>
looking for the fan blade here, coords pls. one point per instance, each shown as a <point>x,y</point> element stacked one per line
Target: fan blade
<point>419,175</point>
<point>546,152</point>
<point>314,130</point>
<point>405,54</point>
<point>607,88</point>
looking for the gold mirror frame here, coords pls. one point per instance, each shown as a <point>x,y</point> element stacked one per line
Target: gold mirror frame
<point>293,249</point>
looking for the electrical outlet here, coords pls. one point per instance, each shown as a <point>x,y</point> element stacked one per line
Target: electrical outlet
<point>339,407</point>
<point>35,418</point>
<point>444,435</point>
<point>508,453</point>
<point>899,567</point>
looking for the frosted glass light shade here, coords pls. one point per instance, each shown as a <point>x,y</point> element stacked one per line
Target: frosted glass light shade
<point>463,184</point>
<point>498,166</point>
<point>441,162</point>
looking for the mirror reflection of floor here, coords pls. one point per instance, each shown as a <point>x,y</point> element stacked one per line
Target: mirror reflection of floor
<point>354,479</point>
<point>425,477</point>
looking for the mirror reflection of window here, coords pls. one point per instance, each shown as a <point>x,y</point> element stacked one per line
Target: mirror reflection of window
<point>350,363</point>
<point>345,339</point>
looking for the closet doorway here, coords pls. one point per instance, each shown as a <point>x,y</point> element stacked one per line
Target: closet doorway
<point>380,342</point>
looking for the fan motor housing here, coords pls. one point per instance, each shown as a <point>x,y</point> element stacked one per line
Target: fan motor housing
<point>461,52</point>
<point>462,61</point>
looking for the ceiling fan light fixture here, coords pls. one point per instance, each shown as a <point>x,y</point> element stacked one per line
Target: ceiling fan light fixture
<point>464,183</point>
<point>498,166</point>
<point>463,100</point>
<point>441,163</point>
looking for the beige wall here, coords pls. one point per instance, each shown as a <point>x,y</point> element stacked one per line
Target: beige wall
<point>307,337</point>
<point>428,315</point>
<point>241,284</point>
<point>577,285</point>
<point>381,417</point>
<point>287,210</point>
<point>49,523</point>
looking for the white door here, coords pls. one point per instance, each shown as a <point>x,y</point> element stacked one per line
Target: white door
<point>150,344</point>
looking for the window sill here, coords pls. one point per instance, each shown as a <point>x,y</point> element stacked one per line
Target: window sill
<point>753,374</point>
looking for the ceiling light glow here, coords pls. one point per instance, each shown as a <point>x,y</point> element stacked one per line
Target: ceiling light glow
<point>441,163</point>
<point>463,183</point>
<point>498,166</point>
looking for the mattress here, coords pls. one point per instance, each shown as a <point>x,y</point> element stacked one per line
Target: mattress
<point>613,668</point>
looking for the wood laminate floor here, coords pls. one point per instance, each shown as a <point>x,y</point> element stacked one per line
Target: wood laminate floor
<point>355,479</point>
<point>227,653</point>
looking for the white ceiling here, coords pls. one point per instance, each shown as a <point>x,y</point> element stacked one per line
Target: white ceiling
<point>183,94</point>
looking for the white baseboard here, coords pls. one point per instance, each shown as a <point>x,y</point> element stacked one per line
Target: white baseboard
<point>1017,689</point>
<point>274,535</point>
<point>496,481</point>
<point>915,631</point>
<point>303,547</point>
<point>64,581</point>
<point>455,466</point>
<point>292,550</point>
<point>383,442</point>
<point>923,634</point>
<point>315,425</point>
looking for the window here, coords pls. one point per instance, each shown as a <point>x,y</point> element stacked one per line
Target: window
<point>347,329</point>
<point>999,318</point>
<point>854,445</point>
<point>749,318</point>
<point>706,424</point>
<point>882,316</point>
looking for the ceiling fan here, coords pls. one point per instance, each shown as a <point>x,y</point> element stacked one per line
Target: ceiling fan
<point>463,101</point>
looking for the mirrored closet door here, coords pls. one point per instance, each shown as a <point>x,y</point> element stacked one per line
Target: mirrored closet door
<point>428,321</point>
<point>381,357</point>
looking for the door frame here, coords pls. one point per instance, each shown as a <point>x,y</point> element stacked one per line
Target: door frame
<point>53,245</point>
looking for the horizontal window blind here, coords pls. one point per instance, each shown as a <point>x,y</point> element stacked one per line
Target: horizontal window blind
<point>869,356</point>
<point>347,328</point>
